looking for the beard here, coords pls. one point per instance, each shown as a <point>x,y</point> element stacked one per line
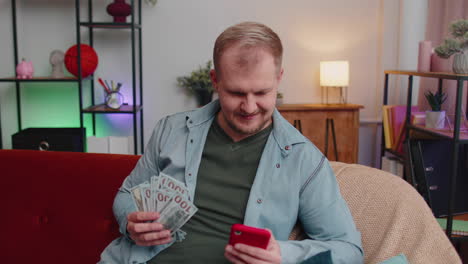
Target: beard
<point>248,130</point>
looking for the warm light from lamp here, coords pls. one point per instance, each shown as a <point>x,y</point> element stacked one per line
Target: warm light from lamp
<point>334,73</point>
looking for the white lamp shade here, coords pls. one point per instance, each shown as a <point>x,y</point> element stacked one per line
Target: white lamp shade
<point>334,73</point>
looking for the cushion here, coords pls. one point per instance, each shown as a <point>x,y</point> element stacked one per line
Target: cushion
<point>400,259</point>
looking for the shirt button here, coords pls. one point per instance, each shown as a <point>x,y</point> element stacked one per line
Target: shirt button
<point>286,148</point>
<point>190,174</point>
<point>278,165</point>
<point>191,141</point>
<point>259,201</point>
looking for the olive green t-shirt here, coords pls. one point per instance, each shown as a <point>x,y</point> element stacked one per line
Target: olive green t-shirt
<point>225,176</point>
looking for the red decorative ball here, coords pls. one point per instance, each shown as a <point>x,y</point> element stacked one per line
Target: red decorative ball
<point>89,60</point>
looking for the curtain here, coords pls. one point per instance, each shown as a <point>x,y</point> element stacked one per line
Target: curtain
<point>440,14</point>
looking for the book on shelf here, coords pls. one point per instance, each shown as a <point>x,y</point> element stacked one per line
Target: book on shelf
<point>394,119</point>
<point>417,118</point>
<point>459,227</point>
<point>386,126</point>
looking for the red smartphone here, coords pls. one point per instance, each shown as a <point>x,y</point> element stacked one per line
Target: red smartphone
<point>249,235</point>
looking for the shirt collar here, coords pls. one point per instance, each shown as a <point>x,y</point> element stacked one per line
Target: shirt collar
<point>283,132</point>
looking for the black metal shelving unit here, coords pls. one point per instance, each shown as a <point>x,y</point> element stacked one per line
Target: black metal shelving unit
<point>456,137</point>
<point>135,109</point>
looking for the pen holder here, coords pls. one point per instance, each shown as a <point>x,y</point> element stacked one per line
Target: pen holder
<point>114,100</point>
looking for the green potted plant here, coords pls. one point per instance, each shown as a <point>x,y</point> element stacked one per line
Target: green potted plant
<point>458,46</point>
<point>279,99</point>
<point>436,117</point>
<point>151,2</point>
<point>199,84</point>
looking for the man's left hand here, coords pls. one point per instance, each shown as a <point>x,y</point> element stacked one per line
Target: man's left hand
<point>241,253</point>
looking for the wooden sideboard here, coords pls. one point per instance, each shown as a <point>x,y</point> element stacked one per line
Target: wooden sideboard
<point>313,119</point>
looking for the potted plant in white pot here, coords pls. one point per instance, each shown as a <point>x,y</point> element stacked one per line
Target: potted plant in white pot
<point>199,84</point>
<point>436,117</point>
<point>457,46</point>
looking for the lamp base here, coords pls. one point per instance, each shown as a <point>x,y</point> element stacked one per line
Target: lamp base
<point>334,94</point>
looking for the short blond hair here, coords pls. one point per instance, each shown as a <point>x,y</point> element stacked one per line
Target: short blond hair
<point>248,35</point>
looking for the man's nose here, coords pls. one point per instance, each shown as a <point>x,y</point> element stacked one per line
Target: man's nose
<point>249,104</point>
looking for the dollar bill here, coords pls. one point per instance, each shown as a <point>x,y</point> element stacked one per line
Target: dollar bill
<point>177,212</point>
<point>169,197</point>
<point>153,184</point>
<point>173,184</point>
<point>145,190</point>
<point>136,196</point>
<point>163,197</point>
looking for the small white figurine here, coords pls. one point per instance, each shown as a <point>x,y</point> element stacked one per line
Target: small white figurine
<point>56,59</point>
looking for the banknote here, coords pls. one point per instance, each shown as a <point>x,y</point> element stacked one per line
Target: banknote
<point>145,190</point>
<point>171,183</point>
<point>162,198</point>
<point>169,197</point>
<point>136,196</point>
<point>177,212</point>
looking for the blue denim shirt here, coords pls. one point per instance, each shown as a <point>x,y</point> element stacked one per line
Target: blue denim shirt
<point>293,181</point>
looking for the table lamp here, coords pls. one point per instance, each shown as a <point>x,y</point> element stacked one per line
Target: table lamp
<point>334,74</point>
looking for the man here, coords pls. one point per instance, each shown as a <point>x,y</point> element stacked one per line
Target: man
<point>242,163</point>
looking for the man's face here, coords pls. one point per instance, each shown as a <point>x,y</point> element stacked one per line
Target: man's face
<point>247,90</point>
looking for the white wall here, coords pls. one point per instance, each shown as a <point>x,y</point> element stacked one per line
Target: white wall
<point>179,35</point>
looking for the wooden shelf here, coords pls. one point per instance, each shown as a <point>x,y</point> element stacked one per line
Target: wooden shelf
<point>103,109</point>
<point>396,155</point>
<point>110,25</point>
<point>318,107</point>
<point>40,79</point>
<point>441,133</point>
<point>439,75</point>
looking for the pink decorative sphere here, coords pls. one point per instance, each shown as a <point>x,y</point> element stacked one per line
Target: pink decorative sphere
<point>89,60</point>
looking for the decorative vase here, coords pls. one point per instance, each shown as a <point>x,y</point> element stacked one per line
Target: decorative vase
<point>460,63</point>
<point>119,10</point>
<point>435,119</point>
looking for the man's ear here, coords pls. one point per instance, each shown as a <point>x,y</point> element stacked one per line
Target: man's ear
<point>214,79</point>
<point>280,75</point>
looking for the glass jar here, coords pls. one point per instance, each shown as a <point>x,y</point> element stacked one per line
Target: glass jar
<point>114,100</point>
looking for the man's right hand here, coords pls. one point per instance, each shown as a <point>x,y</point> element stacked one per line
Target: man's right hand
<point>146,233</point>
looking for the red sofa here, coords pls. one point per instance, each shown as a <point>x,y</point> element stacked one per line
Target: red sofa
<point>57,206</point>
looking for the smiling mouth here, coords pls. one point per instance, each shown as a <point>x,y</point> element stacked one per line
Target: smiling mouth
<point>248,117</point>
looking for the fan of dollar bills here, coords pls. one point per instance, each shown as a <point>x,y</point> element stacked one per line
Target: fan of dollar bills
<point>170,198</point>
